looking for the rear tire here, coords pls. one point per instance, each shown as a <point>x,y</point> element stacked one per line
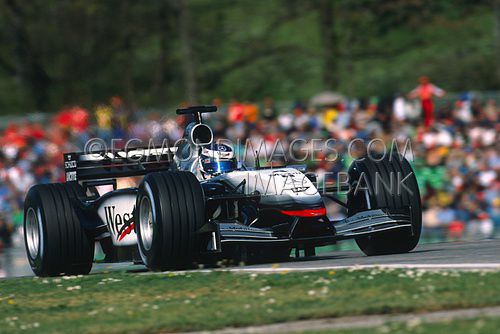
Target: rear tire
<point>391,242</point>
<point>55,241</point>
<point>170,209</point>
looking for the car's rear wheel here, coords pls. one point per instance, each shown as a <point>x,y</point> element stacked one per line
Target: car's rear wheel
<point>55,241</point>
<point>403,195</point>
<point>170,210</point>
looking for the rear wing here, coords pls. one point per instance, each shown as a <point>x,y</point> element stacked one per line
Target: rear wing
<point>80,166</point>
<point>196,111</point>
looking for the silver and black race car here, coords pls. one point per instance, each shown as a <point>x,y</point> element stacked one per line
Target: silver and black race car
<point>196,204</point>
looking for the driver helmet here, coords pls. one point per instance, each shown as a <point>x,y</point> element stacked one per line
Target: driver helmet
<point>216,159</point>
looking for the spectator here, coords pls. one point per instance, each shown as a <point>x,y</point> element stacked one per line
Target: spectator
<point>5,233</point>
<point>269,111</point>
<point>424,92</point>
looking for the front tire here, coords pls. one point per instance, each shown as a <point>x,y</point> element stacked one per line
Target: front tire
<point>391,242</point>
<point>55,241</point>
<point>170,210</point>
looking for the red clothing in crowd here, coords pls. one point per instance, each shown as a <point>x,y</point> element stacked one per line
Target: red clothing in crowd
<point>236,112</point>
<point>425,91</point>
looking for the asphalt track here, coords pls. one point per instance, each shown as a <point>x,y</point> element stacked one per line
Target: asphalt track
<point>453,255</point>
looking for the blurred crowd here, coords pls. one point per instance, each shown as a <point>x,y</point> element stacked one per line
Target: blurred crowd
<point>456,155</point>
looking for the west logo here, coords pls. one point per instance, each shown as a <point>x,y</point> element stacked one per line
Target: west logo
<point>120,224</point>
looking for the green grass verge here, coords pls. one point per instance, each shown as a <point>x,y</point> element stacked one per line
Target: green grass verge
<point>126,302</point>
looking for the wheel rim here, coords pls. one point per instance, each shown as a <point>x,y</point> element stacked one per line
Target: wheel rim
<point>146,223</point>
<point>32,233</point>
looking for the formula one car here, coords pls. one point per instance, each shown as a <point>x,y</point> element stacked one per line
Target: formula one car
<point>196,203</point>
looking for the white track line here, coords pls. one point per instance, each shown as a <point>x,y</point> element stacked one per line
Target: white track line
<point>276,268</point>
<point>456,266</point>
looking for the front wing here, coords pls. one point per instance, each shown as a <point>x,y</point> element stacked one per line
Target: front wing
<point>302,232</point>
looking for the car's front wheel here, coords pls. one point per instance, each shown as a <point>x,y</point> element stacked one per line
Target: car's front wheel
<point>170,209</point>
<point>392,185</point>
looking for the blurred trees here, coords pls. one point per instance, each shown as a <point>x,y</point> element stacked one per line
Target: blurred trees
<point>188,56</point>
<point>27,63</point>
<point>496,13</point>
<point>163,52</point>
<point>329,40</point>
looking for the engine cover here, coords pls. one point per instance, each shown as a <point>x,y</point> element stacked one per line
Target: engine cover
<point>280,187</point>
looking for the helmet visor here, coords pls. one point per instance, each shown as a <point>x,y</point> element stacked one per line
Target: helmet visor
<point>217,167</point>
